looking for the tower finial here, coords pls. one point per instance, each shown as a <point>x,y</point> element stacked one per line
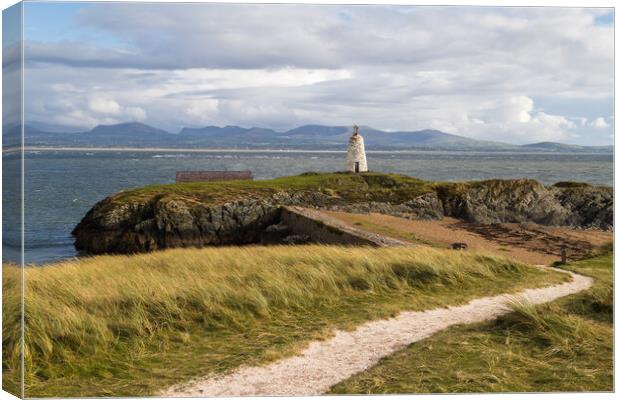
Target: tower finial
<point>355,130</point>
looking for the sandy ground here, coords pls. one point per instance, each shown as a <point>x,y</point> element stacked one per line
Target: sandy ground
<point>529,243</point>
<point>324,363</point>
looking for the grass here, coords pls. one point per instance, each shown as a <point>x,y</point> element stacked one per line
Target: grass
<point>134,325</point>
<point>367,186</point>
<point>566,345</point>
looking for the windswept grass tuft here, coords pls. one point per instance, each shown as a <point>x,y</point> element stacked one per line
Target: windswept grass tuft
<point>553,329</point>
<point>130,325</point>
<point>596,303</point>
<point>11,329</point>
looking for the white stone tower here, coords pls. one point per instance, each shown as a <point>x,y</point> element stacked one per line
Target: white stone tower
<point>356,155</point>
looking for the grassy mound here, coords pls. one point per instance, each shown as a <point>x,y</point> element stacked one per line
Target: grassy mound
<point>352,187</point>
<point>566,345</point>
<point>237,212</point>
<point>132,325</point>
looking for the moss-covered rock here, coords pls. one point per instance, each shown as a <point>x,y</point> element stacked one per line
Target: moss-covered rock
<point>238,212</point>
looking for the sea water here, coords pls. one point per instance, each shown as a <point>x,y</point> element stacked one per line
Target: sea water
<point>60,187</point>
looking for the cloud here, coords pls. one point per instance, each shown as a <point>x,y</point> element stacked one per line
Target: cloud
<point>313,36</point>
<point>74,104</point>
<point>513,119</point>
<point>510,74</point>
<point>515,109</point>
<point>104,106</point>
<point>108,109</point>
<point>600,123</point>
<point>135,113</point>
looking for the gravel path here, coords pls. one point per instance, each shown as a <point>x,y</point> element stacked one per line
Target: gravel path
<point>324,363</point>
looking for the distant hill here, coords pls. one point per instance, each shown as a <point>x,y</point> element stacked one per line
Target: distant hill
<point>131,134</point>
<point>561,147</point>
<point>428,138</point>
<point>134,129</point>
<point>135,134</point>
<point>210,131</point>
<point>318,131</point>
<point>372,137</point>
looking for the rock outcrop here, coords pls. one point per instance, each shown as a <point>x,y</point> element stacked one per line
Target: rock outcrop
<point>126,224</point>
<point>170,221</point>
<point>522,201</point>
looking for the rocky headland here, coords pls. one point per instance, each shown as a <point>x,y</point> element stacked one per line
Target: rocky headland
<point>244,212</point>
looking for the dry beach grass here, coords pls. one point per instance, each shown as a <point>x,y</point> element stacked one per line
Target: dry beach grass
<point>325,363</point>
<point>133,325</point>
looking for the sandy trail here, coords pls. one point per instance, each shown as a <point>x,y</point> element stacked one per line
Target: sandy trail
<point>528,243</point>
<point>324,363</point>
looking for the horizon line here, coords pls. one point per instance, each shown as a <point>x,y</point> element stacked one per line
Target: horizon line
<point>17,149</point>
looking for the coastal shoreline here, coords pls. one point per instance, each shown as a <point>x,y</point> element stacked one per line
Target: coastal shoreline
<point>9,150</point>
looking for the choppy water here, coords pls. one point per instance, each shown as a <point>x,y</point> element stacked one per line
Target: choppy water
<point>62,186</point>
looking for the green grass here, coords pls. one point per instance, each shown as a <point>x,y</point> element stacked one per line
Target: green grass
<point>134,325</point>
<point>367,186</point>
<point>566,345</point>
<point>352,187</point>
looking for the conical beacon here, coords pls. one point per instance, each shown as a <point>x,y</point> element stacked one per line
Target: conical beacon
<point>356,155</point>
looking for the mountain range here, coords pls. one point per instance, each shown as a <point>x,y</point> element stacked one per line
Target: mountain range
<point>134,134</point>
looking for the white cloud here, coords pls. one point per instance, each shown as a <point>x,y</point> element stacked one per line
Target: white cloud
<point>581,121</point>
<point>110,111</point>
<point>135,113</point>
<point>513,119</point>
<point>472,71</point>
<point>202,111</point>
<point>104,106</point>
<point>514,109</point>
<point>600,123</point>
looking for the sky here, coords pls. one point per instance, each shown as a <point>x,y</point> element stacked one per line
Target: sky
<point>517,75</point>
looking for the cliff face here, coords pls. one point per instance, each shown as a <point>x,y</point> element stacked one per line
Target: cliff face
<point>164,218</point>
<point>170,221</point>
<point>529,201</point>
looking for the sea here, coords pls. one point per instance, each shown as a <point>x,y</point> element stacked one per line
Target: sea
<point>61,186</point>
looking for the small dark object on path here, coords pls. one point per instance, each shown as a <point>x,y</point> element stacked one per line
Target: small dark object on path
<point>563,255</point>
